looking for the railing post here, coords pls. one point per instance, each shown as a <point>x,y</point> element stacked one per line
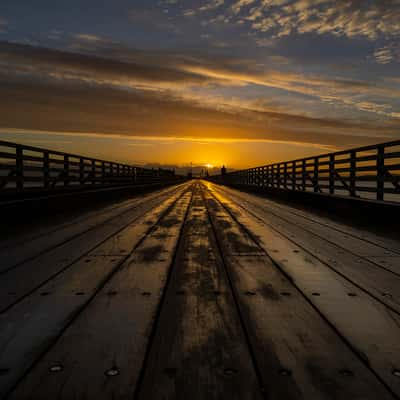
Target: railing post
<point>93,172</point>
<point>303,175</point>
<point>19,167</point>
<point>272,176</point>
<point>278,175</point>
<point>294,175</point>
<point>332,174</point>
<point>352,176</point>
<point>285,175</point>
<point>316,174</point>
<point>263,177</point>
<point>66,170</point>
<point>103,173</point>
<point>46,167</point>
<point>81,171</point>
<point>380,173</point>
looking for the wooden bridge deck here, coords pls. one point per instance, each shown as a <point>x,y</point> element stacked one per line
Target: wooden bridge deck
<point>199,291</point>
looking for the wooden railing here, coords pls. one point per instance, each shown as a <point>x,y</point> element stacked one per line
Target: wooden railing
<point>28,168</point>
<point>371,172</point>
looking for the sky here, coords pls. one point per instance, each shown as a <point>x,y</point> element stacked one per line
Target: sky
<point>169,82</point>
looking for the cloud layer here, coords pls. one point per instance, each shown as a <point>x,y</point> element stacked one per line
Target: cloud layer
<point>156,93</point>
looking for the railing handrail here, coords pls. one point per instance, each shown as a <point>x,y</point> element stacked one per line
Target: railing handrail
<point>60,153</point>
<point>329,173</point>
<point>51,169</point>
<point>333,153</point>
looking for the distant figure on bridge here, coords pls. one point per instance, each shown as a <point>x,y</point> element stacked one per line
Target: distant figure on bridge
<point>223,170</point>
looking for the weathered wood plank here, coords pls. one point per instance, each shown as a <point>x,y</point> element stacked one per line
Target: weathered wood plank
<point>27,329</point>
<point>368,326</point>
<point>37,271</point>
<point>360,241</point>
<point>199,350</point>
<point>100,355</point>
<point>21,249</point>
<point>379,282</point>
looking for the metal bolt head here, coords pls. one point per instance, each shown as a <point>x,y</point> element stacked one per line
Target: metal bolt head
<point>396,373</point>
<point>230,371</point>
<point>113,371</point>
<point>56,368</point>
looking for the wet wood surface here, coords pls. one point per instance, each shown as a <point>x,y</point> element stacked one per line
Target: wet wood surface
<point>199,291</point>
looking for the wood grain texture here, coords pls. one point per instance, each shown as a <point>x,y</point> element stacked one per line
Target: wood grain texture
<point>37,271</point>
<point>199,350</point>
<point>101,353</point>
<point>370,328</point>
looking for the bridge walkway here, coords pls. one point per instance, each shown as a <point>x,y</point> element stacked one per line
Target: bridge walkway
<point>199,291</point>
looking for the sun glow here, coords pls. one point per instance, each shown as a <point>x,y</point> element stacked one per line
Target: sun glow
<point>209,166</point>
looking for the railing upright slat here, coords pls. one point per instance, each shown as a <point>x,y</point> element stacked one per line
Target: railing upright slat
<point>380,176</point>
<point>66,170</point>
<point>46,169</point>
<point>19,167</point>
<point>331,174</point>
<point>316,175</point>
<point>352,184</point>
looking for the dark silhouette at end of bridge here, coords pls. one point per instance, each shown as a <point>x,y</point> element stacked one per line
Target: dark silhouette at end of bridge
<point>122,282</point>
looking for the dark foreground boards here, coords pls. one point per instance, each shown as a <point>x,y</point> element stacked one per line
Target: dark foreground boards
<point>200,292</point>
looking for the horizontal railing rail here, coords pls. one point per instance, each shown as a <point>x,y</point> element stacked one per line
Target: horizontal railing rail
<point>27,168</point>
<point>371,172</point>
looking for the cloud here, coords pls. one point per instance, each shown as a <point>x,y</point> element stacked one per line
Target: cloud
<point>350,18</point>
<point>55,64</point>
<point>87,37</point>
<point>161,93</point>
<point>207,6</point>
<point>86,108</point>
<point>387,54</point>
<point>183,73</point>
<point>211,5</point>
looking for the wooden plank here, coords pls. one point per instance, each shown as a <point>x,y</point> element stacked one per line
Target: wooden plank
<point>100,355</point>
<point>199,350</point>
<point>383,284</point>
<point>368,326</point>
<point>363,242</point>
<point>37,271</point>
<point>27,329</point>
<point>15,236</point>
<point>30,245</point>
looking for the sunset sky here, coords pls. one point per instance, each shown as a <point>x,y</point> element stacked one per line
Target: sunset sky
<point>239,82</point>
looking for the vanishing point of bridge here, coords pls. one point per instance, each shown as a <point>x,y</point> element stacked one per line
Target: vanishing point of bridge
<point>159,287</point>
